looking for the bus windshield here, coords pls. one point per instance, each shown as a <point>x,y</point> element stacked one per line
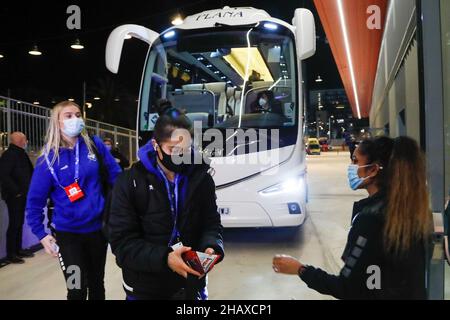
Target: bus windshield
<point>225,77</point>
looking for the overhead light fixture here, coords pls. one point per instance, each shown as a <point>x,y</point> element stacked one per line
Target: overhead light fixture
<point>1,56</point>
<point>319,79</point>
<point>71,99</point>
<point>77,45</point>
<point>35,51</point>
<point>97,98</point>
<point>36,103</point>
<point>89,105</point>
<point>349,54</point>
<point>177,20</point>
<point>270,26</point>
<point>116,99</point>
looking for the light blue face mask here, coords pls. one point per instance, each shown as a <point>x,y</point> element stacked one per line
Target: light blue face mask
<point>262,102</point>
<point>73,127</point>
<point>353,178</point>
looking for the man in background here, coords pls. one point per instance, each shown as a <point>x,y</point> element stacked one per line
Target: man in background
<point>16,170</point>
<point>121,160</point>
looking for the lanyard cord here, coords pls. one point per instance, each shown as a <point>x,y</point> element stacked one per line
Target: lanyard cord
<point>77,165</point>
<point>173,204</point>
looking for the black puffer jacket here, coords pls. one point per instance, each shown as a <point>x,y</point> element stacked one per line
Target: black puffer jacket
<point>399,277</point>
<point>140,226</point>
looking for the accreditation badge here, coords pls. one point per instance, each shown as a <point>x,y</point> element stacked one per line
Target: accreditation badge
<point>74,192</point>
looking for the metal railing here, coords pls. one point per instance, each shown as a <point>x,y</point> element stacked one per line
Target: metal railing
<point>33,120</point>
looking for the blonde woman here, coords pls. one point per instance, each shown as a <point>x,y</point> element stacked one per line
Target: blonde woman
<point>69,172</point>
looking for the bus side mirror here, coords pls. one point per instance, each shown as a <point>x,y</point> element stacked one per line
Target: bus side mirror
<point>116,39</point>
<point>305,33</point>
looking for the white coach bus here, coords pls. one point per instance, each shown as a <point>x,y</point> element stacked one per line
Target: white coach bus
<point>216,66</point>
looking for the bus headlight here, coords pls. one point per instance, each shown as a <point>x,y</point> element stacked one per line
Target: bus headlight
<point>290,186</point>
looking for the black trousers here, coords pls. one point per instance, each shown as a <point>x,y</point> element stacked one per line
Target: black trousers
<point>16,212</point>
<point>83,258</point>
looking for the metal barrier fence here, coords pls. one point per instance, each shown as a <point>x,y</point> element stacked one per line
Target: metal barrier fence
<point>33,120</point>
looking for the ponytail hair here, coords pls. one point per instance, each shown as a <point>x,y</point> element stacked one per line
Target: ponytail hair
<point>408,219</point>
<point>402,178</point>
<point>169,120</point>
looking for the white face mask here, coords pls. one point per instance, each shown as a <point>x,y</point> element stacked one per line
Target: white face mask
<point>73,127</point>
<point>262,102</point>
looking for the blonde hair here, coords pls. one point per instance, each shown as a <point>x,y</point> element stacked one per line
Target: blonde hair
<point>54,139</point>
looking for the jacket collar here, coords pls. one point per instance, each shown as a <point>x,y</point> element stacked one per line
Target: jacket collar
<point>147,155</point>
<point>367,202</point>
<point>15,148</point>
<point>189,182</point>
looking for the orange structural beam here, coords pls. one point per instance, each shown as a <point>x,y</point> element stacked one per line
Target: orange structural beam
<point>354,29</point>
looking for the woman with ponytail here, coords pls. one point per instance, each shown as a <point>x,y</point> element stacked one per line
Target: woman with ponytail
<point>385,255</point>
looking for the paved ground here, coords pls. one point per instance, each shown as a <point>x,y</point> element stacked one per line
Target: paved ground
<point>246,272</point>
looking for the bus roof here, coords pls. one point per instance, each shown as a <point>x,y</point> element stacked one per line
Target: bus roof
<point>228,16</point>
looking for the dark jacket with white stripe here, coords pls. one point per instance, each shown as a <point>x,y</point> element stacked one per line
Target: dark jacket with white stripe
<point>369,272</point>
<point>141,224</point>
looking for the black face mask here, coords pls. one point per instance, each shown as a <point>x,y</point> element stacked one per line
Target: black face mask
<point>170,165</point>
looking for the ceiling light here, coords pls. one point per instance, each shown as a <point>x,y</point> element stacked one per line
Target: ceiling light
<point>35,51</point>
<point>348,54</point>
<point>77,45</point>
<point>177,20</point>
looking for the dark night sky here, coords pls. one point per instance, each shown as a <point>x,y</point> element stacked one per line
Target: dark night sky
<point>59,73</point>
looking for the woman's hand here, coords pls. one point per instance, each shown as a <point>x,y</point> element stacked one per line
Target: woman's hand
<point>286,265</point>
<point>49,244</point>
<point>177,264</point>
